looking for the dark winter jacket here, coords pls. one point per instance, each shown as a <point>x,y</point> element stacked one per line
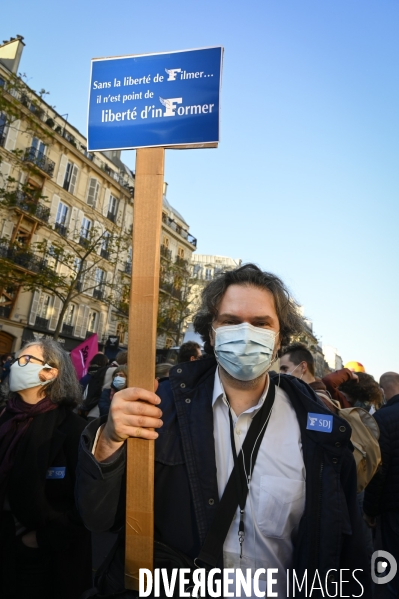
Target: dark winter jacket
<point>42,501</point>
<point>186,490</point>
<point>382,493</point>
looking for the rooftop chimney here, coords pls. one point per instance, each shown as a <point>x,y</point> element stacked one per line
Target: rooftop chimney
<point>11,52</point>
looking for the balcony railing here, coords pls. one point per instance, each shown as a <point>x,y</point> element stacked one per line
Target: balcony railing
<point>179,229</point>
<point>83,241</point>
<point>67,329</point>
<point>22,258</point>
<point>27,204</point>
<point>40,160</point>
<point>165,252</point>
<point>111,216</point>
<point>98,294</point>
<point>61,229</point>
<point>181,262</point>
<point>41,323</point>
<point>128,267</point>
<point>169,288</point>
<point>5,311</point>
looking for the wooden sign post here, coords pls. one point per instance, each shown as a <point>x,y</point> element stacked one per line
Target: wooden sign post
<point>143,311</point>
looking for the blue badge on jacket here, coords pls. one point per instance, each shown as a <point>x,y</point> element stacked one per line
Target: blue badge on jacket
<point>55,472</point>
<point>320,422</point>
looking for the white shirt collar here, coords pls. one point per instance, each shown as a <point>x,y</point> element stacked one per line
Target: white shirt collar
<point>218,392</point>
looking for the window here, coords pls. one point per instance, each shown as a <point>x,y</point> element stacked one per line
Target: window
<point>38,147</point>
<point>69,315</point>
<point>112,208</point>
<point>3,122</point>
<point>105,241</point>
<point>165,242</point>
<point>62,214</point>
<point>208,274</point>
<point>180,253</point>
<point>113,205</point>
<point>99,277</point>
<point>92,194</point>
<point>93,319</point>
<point>120,331</point>
<point>71,174</point>
<point>196,270</point>
<point>168,343</point>
<point>86,226</point>
<point>44,306</point>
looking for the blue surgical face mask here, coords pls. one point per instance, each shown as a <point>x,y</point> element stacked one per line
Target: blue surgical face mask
<point>26,377</point>
<point>244,351</point>
<point>119,382</point>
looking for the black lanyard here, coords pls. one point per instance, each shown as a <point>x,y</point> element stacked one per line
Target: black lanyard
<point>212,548</point>
<point>243,475</point>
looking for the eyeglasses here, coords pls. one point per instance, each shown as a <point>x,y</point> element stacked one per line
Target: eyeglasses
<point>26,358</point>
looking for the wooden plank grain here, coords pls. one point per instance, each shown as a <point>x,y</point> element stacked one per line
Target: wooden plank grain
<point>143,310</point>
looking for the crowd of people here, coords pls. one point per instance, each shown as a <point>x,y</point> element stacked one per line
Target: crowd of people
<point>254,467</point>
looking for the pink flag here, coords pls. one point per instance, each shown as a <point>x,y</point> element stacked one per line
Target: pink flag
<point>83,353</point>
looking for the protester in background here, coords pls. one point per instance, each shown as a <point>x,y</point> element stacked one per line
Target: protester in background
<point>333,381</point>
<point>119,381</point>
<point>45,550</point>
<point>6,362</point>
<point>189,352</point>
<point>382,493</point>
<point>120,360</point>
<point>296,360</point>
<point>363,393</point>
<point>92,384</point>
<point>162,371</point>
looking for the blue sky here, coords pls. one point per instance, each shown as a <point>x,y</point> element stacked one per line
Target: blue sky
<point>305,181</point>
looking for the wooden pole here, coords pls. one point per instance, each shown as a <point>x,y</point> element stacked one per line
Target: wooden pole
<point>147,222</point>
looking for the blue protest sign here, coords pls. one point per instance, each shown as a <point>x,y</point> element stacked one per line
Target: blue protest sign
<point>169,99</point>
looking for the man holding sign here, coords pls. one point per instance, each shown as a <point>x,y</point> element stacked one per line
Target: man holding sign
<point>244,479</point>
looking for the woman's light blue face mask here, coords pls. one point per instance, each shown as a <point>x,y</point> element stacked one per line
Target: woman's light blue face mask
<point>26,377</point>
<point>244,351</point>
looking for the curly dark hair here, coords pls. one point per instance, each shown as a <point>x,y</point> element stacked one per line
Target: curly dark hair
<point>366,390</point>
<point>248,275</point>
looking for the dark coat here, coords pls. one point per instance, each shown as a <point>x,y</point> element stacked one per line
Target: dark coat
<point>186,491</point>
<point>382,493</point>
<point>47,504</point>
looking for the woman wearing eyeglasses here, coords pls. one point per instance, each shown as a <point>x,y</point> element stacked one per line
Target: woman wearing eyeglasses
<point>45,550</point>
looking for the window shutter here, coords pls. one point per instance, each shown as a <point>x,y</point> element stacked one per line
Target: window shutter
<point>61,170</point>
<point>53,208</point>
<point>4,173</point>
<point>55,312</point>
<point>74,177</point>
<point>85,320</point>
<point>12,135</point>
<point>108,283</point>
<point>89,281</point>
<point>91,194</point>
<point>34,307</point>
<point>77,331</point>
<point>100,327</point>
<point>97,231</point>
<point>107,195</point>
